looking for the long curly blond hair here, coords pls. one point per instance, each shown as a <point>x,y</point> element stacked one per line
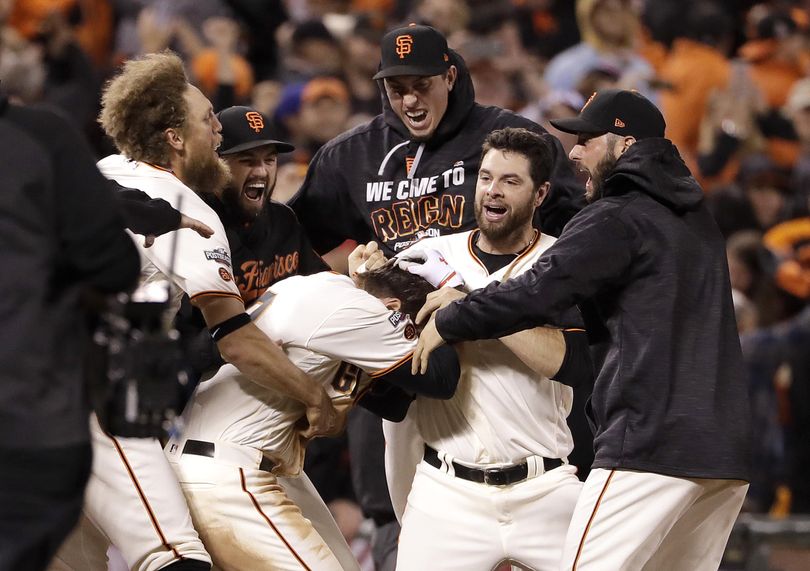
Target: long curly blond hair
<point>141,102</point>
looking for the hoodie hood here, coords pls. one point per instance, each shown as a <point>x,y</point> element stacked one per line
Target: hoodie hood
<point>654,166</point>
<point>459,104</point>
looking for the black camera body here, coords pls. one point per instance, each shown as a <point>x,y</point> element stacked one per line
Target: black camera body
<point>144,364</point>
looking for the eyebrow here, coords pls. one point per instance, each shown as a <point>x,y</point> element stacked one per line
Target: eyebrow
<point>505,175</point>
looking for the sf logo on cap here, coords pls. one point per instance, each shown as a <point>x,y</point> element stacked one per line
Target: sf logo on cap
<point>404,43</point>
<point>255,120</point>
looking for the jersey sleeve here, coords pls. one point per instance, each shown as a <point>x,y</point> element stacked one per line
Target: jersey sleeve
<point>367,335</point>
<point>199,266</point>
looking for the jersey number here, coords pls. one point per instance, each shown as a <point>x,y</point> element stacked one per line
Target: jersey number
<point>346,379</point>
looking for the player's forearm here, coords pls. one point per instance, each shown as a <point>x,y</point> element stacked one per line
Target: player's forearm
<point>542,349</point>
<point>562,355</point>
<point>257,357</point>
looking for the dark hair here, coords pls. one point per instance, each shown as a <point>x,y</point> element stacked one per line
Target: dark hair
<point>391,281</point>
<point>534,146</point>
<point>141,102</point>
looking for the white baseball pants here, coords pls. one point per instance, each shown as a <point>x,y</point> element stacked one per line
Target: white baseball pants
<point>454,524</point>
<point>246,519</point>
<point>627,520</point>
<point>133,500</point>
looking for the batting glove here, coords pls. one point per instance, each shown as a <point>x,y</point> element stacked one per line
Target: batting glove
<point>430,265</point>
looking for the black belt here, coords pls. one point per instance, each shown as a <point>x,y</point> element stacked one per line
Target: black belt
<point>491,476</point>
<point>203,448</point>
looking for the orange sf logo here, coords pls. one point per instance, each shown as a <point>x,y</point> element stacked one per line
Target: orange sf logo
<point>404,44</point>
<point>255,120</point>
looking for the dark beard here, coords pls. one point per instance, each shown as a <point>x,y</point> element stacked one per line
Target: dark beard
<point>206,174</point>
<point>518,219</point>
<point>231,198</point>
<point>598,176</point>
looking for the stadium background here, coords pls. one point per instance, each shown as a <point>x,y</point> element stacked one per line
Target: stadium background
<point>732,78</point>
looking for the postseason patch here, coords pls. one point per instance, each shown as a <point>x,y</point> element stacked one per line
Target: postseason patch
<point>395,318</point>
<point>219,255</point>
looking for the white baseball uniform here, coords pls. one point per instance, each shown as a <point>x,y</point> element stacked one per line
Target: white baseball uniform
<point>339,335</point>
<point>502,414</point>
<point>133,499</point>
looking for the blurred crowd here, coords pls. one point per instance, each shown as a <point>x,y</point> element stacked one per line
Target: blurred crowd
<point>731,77</point>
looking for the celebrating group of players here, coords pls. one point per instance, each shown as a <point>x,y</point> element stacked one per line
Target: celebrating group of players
<point>445,197</point>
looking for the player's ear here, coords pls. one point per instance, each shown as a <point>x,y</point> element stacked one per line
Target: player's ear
<point>175,138</point>
<point>542,192</point>
<point>392,303</point>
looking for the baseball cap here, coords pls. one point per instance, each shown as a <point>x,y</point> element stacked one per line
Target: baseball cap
<point>413,50</point>
<point>244,128</point>
<point>618,111</point>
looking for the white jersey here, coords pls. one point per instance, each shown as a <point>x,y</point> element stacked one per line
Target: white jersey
<point>338,334</point>
<point>196,265</point>
<point>502,411</point>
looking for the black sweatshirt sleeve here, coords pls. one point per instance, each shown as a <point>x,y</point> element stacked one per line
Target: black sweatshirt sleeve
<point>595,249</point>
<point>438,382</point>
<point>323,207</point>
<point>386,401</point>
<point>144,215</point>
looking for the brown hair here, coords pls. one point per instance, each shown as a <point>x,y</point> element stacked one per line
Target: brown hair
<point>535,147</point>
<point>391,281</point>
<point>141,102</point>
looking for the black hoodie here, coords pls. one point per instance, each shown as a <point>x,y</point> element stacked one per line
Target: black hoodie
<point>649,261</point>
<point>374,183</point>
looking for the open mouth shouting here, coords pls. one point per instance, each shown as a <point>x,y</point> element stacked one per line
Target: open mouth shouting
<point>417,120</point>
<point>254,190</point>
<point>494,212</point>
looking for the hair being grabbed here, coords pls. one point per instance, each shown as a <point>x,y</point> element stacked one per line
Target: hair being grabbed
<point>391,281</point>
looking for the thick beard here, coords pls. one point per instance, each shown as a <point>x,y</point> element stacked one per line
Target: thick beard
<point>207,174</point>
<point>520,216</point>
<point>232,198</point>
<point>598,176</point>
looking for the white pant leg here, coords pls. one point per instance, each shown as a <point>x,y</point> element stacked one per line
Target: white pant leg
<point>623,517</point>
<point>247,521</point>
<point>454,524</point>
<point>541,509</point>
<point>303,494</point>
<point>697,541</point>
<point>134,498</point>
<point>448,524</point>
<point>85,549</point>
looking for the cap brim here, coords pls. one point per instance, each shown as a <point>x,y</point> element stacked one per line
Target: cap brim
<point>409,70</point>
<point>575,125</point>
<point>281,147</point>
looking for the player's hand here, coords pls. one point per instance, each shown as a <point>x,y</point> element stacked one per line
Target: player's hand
<point>429,340</point>
<point>431,266</point>
<point>437,300</point>
<point>192,223</point>
<point>322,418</point>
<point>363,258</point>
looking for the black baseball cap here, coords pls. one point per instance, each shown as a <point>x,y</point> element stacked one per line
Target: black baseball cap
<point>616,111</point>
<point>244,128</point>
<point>413,50</point>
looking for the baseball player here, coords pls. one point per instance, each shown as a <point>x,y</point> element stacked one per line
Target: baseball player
<point>240,438</point>
<point>168,134</point>
<point>670,409</point>
<point>494,483</point>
